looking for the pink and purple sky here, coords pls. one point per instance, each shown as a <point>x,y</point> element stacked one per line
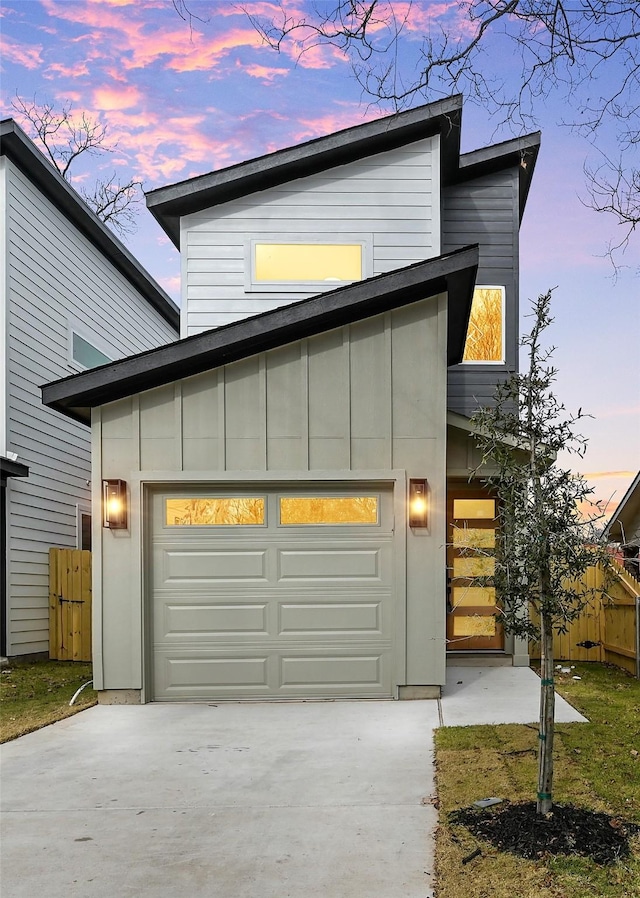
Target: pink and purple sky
<point>181,101</point>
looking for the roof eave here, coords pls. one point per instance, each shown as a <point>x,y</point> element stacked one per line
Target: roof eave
<point>454,272</point>
<point>169,204</point>
<point>520,151</point>
<point>627,508</point>
<point>20,149</point>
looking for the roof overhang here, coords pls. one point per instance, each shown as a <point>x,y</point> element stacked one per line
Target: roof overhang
<point>10,468</point>
<point>15,144</point>
<point>169,204</point>
<point>628,511</point>
<point>520,152</point>
<point>453,273</point>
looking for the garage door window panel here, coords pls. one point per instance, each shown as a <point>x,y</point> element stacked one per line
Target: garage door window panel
<point>328,510</point>
<point>213,511</point>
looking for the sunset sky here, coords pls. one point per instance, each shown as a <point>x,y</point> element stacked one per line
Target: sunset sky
<point>181,101</point>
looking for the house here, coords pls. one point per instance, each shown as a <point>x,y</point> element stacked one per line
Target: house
<point>72,298</point>
<point>286,478</point>
<point>623,528</point>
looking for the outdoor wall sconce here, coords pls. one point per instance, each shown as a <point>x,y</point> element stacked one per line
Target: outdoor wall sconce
<point>114,504</point>
<point>418,506</point>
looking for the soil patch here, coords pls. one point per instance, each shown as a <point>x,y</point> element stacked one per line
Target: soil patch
<point>517,828</point>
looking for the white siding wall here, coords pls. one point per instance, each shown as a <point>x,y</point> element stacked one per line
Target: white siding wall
<point>391,199</point>
<point>55,277</point>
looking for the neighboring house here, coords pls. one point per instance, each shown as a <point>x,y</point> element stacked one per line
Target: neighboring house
<point>72,298</point>
<point>295,467</point>
<point>624,528</point>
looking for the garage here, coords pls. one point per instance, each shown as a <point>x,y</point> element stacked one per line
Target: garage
<point>273,593</point>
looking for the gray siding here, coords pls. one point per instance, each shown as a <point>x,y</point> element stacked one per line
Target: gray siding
<point>391,199</point>
<point>55,277</point>
<point>485,211</point>
<point>369,397</point>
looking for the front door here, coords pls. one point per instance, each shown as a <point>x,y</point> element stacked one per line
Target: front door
<point>471,541</point>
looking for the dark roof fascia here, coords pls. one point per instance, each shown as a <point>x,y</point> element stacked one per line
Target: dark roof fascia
<point>629,507</point>
<point>15,144</point>
<point>520,151</point>
<point>9,468</point>
<point>169,204</point>
<point>454,272</point>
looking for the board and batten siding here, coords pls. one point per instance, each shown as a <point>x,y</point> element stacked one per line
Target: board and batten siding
<point>485,211</point>
<point>391,200</point>
<point>55,278</point>
<point>368,397</point>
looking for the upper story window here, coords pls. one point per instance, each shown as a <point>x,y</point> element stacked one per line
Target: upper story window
<point>291,264</point>
<point>83,352</point>
<point>485,336</point>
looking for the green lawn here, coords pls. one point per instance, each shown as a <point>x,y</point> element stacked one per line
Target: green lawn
<point>36,693</point>
<point>597,766</point>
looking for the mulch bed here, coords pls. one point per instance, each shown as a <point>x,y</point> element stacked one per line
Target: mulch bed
<point>517,828</point>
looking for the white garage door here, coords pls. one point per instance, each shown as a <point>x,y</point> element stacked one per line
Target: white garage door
<point>272,593</point>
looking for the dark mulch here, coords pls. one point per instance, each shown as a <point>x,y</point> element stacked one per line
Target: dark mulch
<point>567,830</point>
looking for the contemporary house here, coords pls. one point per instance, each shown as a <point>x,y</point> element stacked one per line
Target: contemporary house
<point>287,509</point>
<point>71,298</point>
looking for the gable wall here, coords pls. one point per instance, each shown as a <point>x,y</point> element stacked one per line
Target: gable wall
<point>391,198</point>
<point>55,276</point>
<point>369,397</point>
<point>485,211</point>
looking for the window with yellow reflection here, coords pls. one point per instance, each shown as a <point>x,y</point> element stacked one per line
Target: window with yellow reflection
<point>474,566</point>
<point>485,335</point>
<point>214,512</point>
<point>475,625</point>
<point>329,510</point>
<point>474,537</point>
<point>293,262</point>
<point>480,509</point>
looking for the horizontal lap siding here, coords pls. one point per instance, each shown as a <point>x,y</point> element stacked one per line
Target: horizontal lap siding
<point>485,211</point>
<point>55,277</point>
<point>391,199</point>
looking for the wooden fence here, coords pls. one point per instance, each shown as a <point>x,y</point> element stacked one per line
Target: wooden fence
<point>607,630</point>
<point>69,605</point>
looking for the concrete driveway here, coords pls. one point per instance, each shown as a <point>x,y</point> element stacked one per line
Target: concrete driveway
<point>328,799</point>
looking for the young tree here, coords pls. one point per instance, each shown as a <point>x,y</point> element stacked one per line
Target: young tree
<point>545,542</point>
<point>586,52</point>
<point>65,138</point>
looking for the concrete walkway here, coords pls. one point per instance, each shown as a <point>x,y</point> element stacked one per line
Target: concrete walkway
<point>326,799</point>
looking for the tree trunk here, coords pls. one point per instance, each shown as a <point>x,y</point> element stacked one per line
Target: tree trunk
<point>547,708</point>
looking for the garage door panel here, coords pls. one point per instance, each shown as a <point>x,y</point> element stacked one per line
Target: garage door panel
<point>331,617</point>
<point>187,620</point>
<point>191,677</point>
<point>330,564</point>
<point>214,566</point>
<point>331,672</point>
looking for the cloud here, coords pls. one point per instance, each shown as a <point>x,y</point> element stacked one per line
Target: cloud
<point>263,73</point>
<point>205,54</point>
<point>69,71</point>
<point>116,97</point>
<point>27,55</point>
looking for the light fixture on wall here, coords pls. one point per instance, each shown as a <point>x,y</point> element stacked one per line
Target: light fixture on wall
<point>114,504</point>
<point>418,505</point>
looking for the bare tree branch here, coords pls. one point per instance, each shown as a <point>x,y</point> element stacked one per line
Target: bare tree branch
<point>559,45</point>
<point>64,138</point>
<point>115,204</point>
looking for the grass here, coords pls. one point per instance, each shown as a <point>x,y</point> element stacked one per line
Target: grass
<point>36,693</point>
<point>597,766</point>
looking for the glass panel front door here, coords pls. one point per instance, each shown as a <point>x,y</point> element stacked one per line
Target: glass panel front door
<point>471,600</point>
